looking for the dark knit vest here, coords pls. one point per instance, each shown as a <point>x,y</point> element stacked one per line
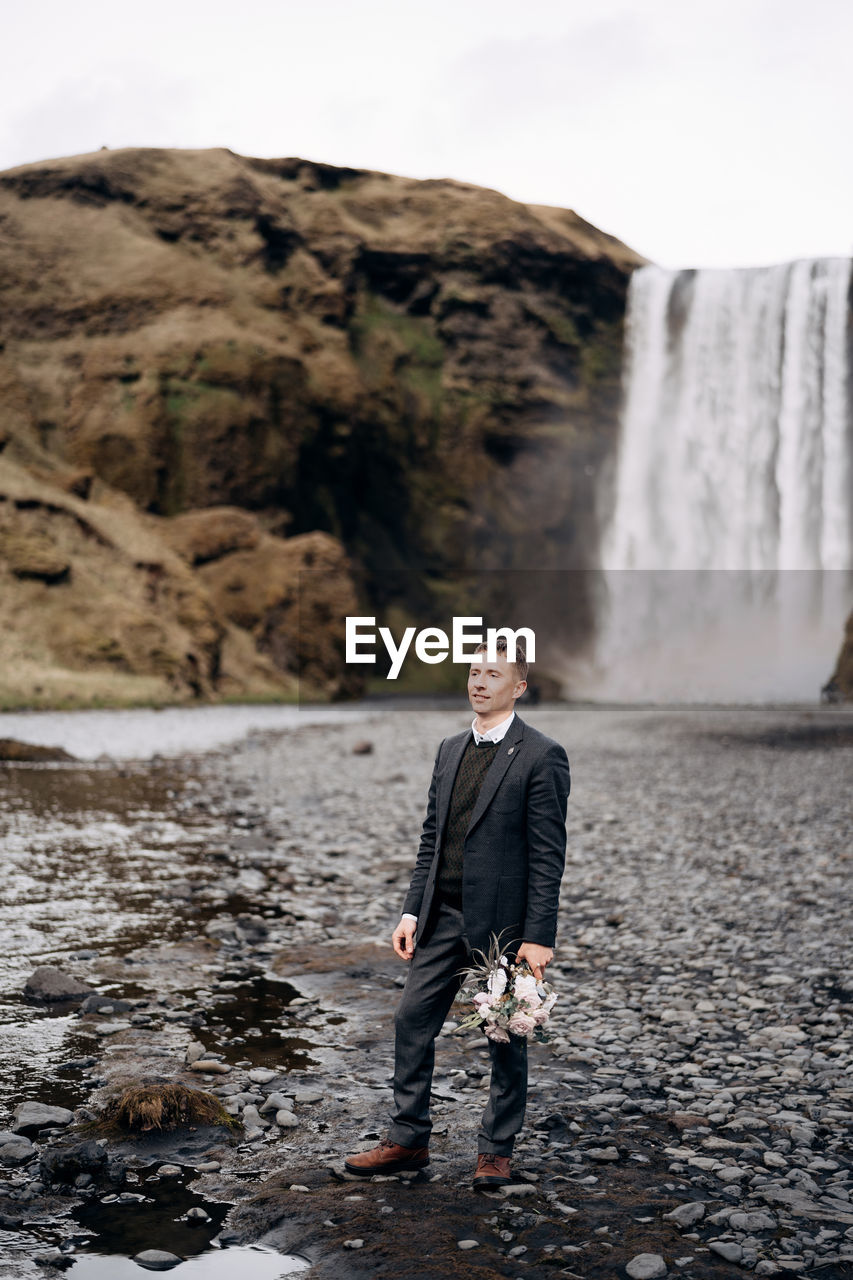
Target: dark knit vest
<point>466,788</point>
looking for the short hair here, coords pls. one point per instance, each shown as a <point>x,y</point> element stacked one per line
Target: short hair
<point>522,666</point>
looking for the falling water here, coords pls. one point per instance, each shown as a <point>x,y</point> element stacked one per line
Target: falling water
<point>728,552</point>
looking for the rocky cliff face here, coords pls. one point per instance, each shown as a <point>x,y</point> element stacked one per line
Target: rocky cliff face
<point>208,359</point>
<point>839,687</point>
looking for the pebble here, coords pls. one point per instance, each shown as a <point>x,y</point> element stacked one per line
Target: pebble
<point>646,1266</point>
<point>727,1249</point>
<point>686,1214</point>
<point>353,1244</point>
<point>275,1102</point>
<point>286,1119</point>
<point>210,1067</point>
<point>468,1244</point>
<point>194,1051</point>
<point>156,1260</point>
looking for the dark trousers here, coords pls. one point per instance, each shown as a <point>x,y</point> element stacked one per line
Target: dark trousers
<point>431,985</point>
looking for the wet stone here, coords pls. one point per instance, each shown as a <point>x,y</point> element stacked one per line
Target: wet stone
<point>727,1249</point>
<point>34,1116</point>
<point>686,1214</point>
<point>646,1266</point>
<point>48,984</point>
<point>15,1149</point>
<point>308,1096</point>
<point>156,1260</point>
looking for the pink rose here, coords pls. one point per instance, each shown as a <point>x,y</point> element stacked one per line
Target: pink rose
<point>496,1033</point>
<point>521,1024</point>
<point>541,1016</point>
<point>482,998</point>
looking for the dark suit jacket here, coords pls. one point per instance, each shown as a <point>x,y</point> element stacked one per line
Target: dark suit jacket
<point>515,846</point>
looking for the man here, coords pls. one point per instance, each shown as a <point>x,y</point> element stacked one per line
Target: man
<point>491,858</point>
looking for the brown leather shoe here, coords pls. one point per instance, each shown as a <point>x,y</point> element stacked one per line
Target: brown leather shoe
<point>388,1157</point>
<point>492,1170</point>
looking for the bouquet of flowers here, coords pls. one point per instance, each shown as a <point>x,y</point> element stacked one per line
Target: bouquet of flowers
<point>507,998</point>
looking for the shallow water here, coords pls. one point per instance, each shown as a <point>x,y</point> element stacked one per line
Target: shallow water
<point>143,732</point>
<point>111,1234</point>
<point>87,852</point>
<point>90,854</point>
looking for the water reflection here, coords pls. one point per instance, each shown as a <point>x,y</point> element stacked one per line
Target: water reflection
<point>89,854</point>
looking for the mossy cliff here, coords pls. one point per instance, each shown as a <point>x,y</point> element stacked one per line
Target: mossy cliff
<point>207,358</point>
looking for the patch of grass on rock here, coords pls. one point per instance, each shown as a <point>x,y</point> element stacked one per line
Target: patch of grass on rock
<point>162,1107</point>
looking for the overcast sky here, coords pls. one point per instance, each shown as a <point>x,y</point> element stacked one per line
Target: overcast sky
<point>702,132</point>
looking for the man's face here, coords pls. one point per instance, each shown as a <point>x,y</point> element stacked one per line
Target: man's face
<point>493,688</point>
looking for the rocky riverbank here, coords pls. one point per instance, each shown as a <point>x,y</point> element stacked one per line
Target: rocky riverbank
<point>694,1115</point>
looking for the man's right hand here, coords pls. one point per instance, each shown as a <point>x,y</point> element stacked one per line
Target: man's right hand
<point>403,939</point>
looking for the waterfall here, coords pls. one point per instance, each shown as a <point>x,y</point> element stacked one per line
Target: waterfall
<point>728,550</point>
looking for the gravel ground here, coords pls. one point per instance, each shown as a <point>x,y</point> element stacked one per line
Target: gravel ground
<point>694,1114</point>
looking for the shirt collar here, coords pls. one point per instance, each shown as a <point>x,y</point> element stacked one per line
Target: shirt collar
<point>495,734</point>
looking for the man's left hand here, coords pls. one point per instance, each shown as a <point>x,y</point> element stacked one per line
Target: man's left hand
<point>537,957</point>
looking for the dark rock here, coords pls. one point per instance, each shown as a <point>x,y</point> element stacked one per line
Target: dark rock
<point>49,984</point>
<point>103,1004</point>
<point>66,1164</point>
<point>33,1116</point>
<point>15,1149</point>
<point>156,1260</point>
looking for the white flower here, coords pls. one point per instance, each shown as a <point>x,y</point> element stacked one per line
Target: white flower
<point>497,982</point>
<point>524,988</point>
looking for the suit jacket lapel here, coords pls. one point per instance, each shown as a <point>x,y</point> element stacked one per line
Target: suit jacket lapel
<point>507,751</point>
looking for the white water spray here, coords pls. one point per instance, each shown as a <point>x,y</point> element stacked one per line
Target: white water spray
<point>728,553</point>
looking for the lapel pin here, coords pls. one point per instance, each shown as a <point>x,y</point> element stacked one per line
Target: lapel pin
<point>509,753</point>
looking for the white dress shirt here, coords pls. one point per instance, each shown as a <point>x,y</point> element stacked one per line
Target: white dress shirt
<point>494,734</point>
